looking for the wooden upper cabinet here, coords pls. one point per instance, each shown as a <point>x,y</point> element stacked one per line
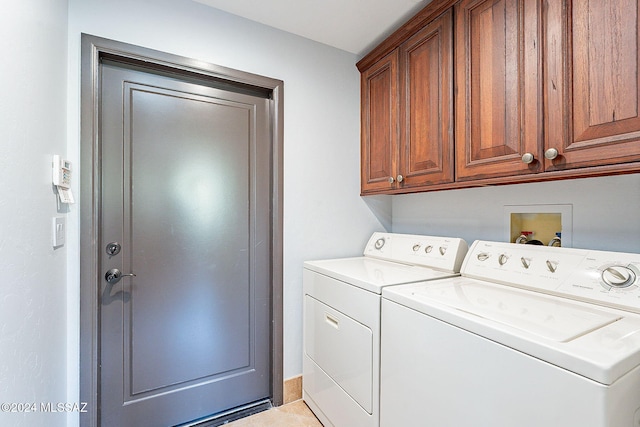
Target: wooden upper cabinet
<point>592,82</point>
<point>379,125</point>
<point>407,113</point>
<point>467,90</point>
<point>499,95</point>
<point>426,153</point>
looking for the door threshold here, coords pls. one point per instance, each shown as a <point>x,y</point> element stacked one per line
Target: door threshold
<point>230,415</point>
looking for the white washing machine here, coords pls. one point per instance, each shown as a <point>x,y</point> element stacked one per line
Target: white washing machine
<point>527,336</point>
<point>341,361</point>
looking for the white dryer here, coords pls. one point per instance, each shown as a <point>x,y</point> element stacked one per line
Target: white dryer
<point>527,336</point>
<point>341,361</point>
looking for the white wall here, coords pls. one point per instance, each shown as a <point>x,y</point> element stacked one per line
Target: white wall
<point>33,46</point>
<point>605,211</point>
<point>323,214</point>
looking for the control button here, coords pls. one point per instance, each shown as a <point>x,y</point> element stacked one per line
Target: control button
<point>552,266</point>
<point>416,247</point>
<point>428,249</point>
<point>502,259</point>
<point>379,243</point>
<point>443,250</point>
<point>483,256</point>
<point>526,262</point>
<point>618,276</point>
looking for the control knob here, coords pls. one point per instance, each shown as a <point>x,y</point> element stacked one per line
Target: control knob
<point>618,276</point>
<point>483,256</point>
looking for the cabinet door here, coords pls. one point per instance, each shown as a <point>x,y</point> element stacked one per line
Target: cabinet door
<point>592,82</point>
<point>379,121</point>
<point>498,103</point>
<point>426,107</point>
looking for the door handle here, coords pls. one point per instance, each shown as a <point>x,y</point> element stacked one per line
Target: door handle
<point>114,275</point>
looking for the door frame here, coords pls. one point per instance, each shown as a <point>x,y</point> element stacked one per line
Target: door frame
<point>92,51</point>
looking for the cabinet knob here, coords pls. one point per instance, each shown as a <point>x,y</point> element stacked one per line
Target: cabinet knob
<point>400,178</point>
<point>551,153</point>
<point>391,180</point>
<point>527,158</point>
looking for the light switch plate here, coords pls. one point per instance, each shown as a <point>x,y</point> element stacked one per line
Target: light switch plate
<point>59,231</point>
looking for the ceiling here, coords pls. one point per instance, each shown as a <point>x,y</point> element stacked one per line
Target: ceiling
<point>356,26</point>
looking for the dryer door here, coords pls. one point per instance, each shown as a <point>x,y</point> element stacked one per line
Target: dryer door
<point>342,348</point>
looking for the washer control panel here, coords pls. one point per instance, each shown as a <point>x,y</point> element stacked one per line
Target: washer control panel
<point>443,253</point>
<point>606,278</point>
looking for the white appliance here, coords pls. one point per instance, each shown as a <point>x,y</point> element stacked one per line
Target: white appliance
<point>527,336</point>
<point>341,362</point>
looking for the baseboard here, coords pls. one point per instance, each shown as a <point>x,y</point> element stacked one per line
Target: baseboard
<point>292,389</point>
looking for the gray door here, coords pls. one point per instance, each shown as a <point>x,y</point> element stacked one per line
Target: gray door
<point>185,184</point>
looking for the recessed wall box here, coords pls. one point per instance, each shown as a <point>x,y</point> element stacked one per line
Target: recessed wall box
<point>543,221</point>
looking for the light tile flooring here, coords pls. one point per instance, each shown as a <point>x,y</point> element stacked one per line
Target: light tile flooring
<point>295,414</point>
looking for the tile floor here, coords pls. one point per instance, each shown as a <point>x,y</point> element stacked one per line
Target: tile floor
<point>294,414</point>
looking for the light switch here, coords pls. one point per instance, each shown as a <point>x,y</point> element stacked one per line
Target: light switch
<point>59,231</point>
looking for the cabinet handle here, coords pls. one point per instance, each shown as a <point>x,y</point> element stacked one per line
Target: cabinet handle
<point>400,178</point>
<point>527,158</point>
<point>551,153</point>
<point>391,180</point>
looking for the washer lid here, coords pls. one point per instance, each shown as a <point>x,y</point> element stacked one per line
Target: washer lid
<point>552,319</point>
<point>374,274</point>
<point>597,342</point>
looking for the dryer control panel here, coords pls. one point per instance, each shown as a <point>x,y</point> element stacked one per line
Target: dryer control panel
<point>601,277</point>
<point>443,253</point>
